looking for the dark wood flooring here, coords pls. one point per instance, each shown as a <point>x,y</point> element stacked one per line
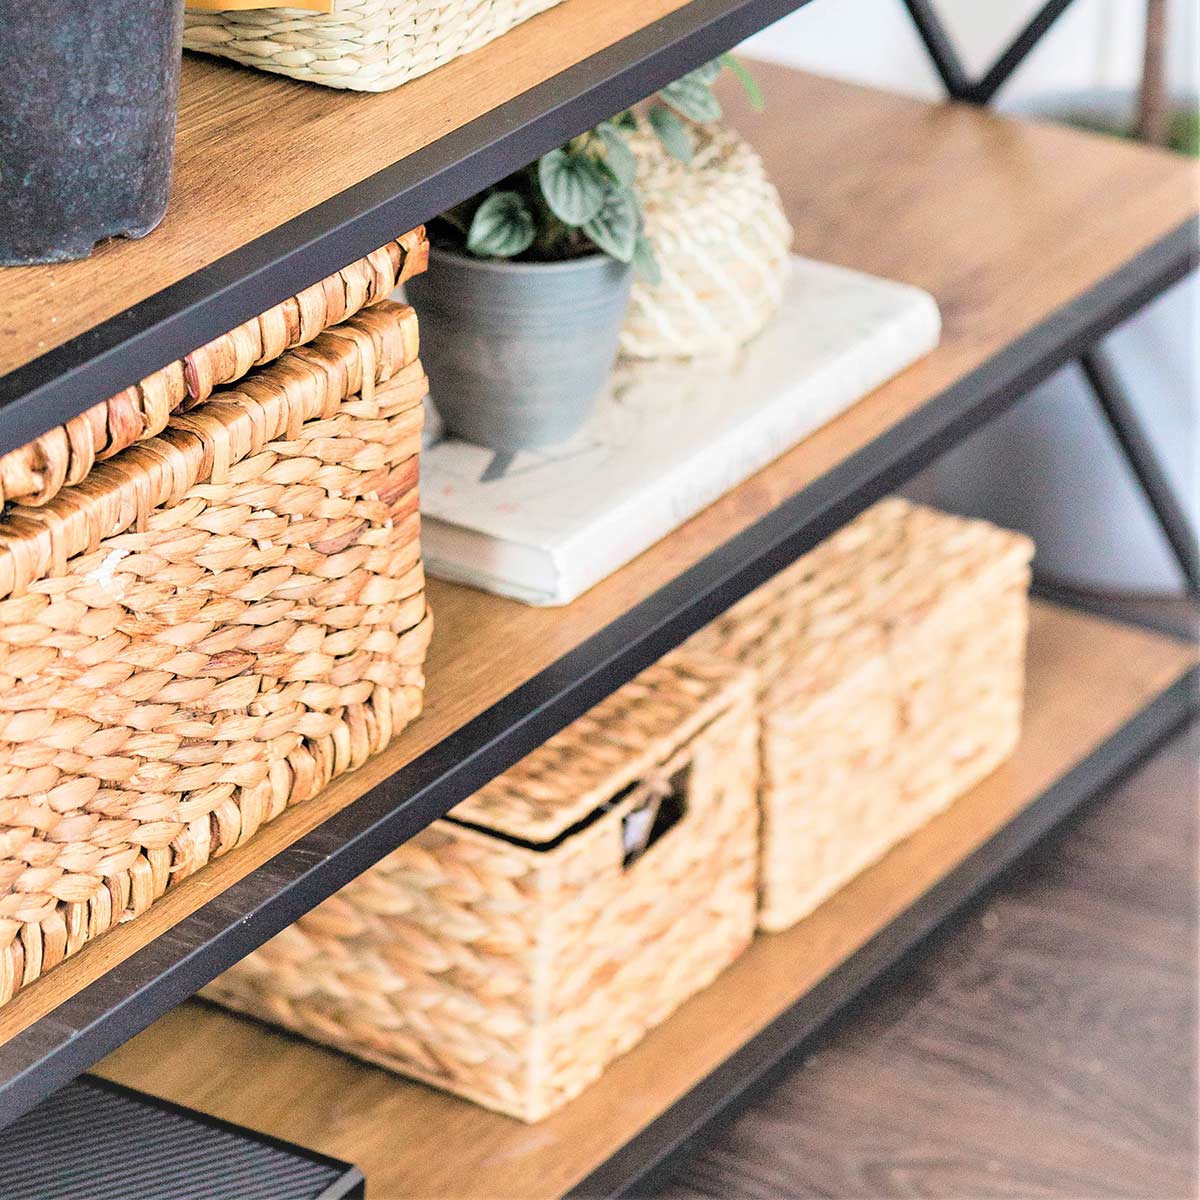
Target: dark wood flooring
<point>1044,1046</point>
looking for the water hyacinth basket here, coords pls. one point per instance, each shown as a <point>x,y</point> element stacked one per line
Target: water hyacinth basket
<point>210,625</point>
<point>510,951</point>
<point>891,664</point>
<point>363,45</point>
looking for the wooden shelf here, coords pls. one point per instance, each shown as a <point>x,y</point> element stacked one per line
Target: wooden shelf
<point>278,184</point>
<point>1087,678</point>
<point>996,218</point>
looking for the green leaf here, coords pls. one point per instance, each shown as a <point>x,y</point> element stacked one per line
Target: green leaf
<point>674,135</point>
<point>618,157</point>
<point>615,227</point>
<point>626,120</point>
<point>692,97</point>
<point>709,72</point>
<point>502,227</point>
<point>645,263</point>
<point>573,185</point>
<point>748,82</point>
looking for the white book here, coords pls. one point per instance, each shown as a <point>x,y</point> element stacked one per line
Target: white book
<point>666,440</point>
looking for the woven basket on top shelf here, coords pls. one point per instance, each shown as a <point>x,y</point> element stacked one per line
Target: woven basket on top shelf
<point>37,472</point>
<point>365,45</point>
<point>891,660</point>
<point>204,630</point>
<point>722,242</point>
<point>511,951</point>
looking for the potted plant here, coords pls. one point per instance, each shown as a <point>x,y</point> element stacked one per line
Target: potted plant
<point>528,281</point>
<point>88,99</point>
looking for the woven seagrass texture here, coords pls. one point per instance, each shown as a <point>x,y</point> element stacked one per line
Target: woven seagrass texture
<point>510,972</point>
<point>365,45</point>
<point>61,457</point>
<point>207,629</point>
<point>722,243</point>
<point>891,660</point>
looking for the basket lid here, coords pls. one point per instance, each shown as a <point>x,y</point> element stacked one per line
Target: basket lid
<point>622,739</point>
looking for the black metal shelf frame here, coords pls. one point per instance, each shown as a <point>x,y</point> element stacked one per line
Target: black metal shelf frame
<point>118,352</point>
<point>103,1015</point>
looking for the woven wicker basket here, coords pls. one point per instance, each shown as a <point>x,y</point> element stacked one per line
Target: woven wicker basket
<point>206,629</point>
<point>510,952</point>
<point>365,45</point>
<point>36,473</point>
<point>722,242</point>
<point>892,667</point>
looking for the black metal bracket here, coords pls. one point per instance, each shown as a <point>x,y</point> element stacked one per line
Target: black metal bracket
<point>949,66</point>
<point>1135,445</point>
<point>1111,397</point>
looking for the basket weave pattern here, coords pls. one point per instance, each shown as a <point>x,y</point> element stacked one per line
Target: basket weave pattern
<point>62,457</point>
<point>365,45</point>
<point>205,630</point>
<point>892,667</point>
<point>722,242</point>
<point>512,973</point>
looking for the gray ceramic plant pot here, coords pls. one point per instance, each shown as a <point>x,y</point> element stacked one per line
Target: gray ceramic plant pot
<point>518,352</point>
<point>88,98</point>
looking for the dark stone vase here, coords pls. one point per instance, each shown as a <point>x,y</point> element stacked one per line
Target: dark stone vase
<point>89,92</point>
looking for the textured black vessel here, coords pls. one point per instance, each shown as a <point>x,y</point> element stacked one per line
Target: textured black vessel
<point>88,98</point>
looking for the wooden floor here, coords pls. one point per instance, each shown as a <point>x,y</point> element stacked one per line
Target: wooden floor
<point>1044,1047</point>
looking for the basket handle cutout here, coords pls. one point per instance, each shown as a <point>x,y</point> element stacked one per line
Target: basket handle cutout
<point>663,807</point>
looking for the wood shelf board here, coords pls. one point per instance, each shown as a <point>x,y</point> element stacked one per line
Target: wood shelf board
<point>1087,678</point>
<point>910,199</point>
<point>255,150</point>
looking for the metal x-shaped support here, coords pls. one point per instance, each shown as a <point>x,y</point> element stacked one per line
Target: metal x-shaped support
<point>1110,396</point>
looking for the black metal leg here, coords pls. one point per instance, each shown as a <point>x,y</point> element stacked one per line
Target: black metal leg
<point>940,49</point>
<point>949,66</point>
<point>1012,58</point>
<point>1142,458</point>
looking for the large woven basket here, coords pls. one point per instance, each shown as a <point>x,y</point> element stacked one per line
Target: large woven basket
<point>891,661</point>
<point>37,472</point>
<point>206,629</point>
<point>509,952</point>
<point>722,242</point>
<point>365,45</point>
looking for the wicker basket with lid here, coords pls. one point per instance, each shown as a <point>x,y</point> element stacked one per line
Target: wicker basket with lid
<point>205,629</point>
<point>509,952</point>
<point>891,660</point>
